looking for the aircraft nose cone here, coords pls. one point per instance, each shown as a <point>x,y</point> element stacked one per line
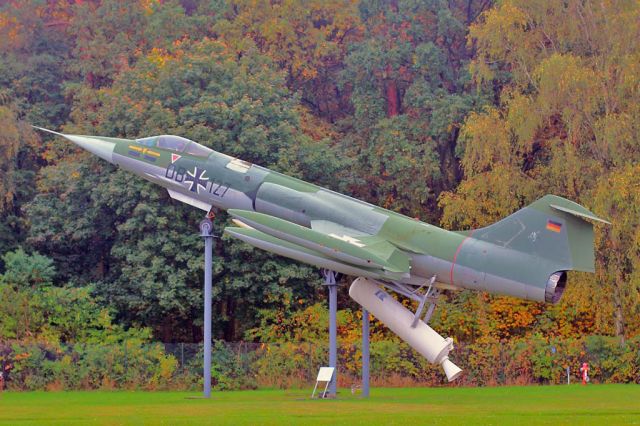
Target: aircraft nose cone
<point>101,148</point>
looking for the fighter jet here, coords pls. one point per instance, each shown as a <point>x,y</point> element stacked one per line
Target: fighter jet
<point>526,255</point>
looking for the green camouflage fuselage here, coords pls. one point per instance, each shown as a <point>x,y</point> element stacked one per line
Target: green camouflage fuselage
<point>524,255</point>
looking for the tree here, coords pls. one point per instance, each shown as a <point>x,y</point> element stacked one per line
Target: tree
<point>410,93</point>
<point>18,161</point>
<point>34,49</point>
<point>24,271</point>
<point>42,312</point>
<point>618,197</point>
<point>566,77</point>
<point>307,40</point>
<point>147,244</point>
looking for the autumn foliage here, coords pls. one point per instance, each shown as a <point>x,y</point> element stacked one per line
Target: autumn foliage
<point>455,112</point>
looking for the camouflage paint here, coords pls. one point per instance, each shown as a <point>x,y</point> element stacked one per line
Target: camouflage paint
<point>516,256</point>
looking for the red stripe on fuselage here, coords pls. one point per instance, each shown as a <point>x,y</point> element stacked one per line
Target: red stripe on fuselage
<point>455,256</point>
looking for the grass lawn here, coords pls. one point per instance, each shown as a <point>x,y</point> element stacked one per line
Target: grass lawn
<point>544,405</point>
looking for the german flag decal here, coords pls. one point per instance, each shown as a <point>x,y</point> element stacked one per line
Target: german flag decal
<point>554,226</point>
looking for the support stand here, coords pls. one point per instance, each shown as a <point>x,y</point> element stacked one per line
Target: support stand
<point>206,232</point>
<point>330,282</point>
<point>422,297</point>
<point>365,353</point>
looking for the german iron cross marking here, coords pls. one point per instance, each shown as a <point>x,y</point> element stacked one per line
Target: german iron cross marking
<point>197,179</point>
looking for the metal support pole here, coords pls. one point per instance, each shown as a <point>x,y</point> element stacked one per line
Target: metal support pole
<point>365,353</point>
<point>206,228</point>
<point>330,282</point>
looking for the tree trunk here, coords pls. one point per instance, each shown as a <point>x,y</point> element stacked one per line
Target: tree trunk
<point>392,94</point>
<point>231,324</point>
<point>167,330</point>
<point>196,333</point>
<point>619,312</point>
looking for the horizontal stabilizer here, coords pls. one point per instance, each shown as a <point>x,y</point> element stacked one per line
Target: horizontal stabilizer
<point>582,213</point>
<point>368,251</point>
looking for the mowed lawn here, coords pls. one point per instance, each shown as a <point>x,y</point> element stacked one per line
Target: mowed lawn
<point>534,405</point>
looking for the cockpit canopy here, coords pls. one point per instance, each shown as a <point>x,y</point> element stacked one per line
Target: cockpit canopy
<point>177,144</point>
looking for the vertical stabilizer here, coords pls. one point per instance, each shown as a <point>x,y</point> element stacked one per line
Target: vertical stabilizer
<point>552,228</point>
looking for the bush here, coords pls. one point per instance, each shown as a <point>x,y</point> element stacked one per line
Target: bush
<point>135,363</point>
<point>129,365</point>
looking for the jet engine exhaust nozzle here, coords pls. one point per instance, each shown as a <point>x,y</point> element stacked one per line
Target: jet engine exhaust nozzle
<point>555,287</point>
<point>399,319</point>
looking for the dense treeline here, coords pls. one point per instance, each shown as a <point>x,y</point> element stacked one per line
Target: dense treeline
<point>457,112</point>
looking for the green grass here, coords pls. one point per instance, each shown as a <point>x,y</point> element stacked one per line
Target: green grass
<point>544,405</point>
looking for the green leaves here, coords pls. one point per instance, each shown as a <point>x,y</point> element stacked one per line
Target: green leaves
<point>376,99</point>
<point>144,247</point>
<point>22,270</point>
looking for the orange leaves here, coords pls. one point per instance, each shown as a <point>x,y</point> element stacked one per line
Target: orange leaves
<point>148,5</point>
<point>314,127</point>
<point>10,30</point>
<point>511,317</point>
<point>21,356</point>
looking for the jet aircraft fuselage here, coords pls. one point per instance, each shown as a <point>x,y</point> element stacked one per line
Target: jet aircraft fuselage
<point>525,255</point>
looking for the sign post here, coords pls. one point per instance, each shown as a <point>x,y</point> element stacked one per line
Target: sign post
<point>330,282</point>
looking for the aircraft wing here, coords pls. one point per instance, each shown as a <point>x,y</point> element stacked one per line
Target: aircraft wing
<point>330,240</point>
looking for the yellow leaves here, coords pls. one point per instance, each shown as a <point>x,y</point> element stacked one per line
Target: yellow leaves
<point>523,118</point>
<point>486,198</point>
<point>498,24</point>
<point>301,37</point>
<point>158,57</point>
<point>519,34</point>
<point>618,198</point>
<point>618,134</point>
<point>568,86</point>
<point>499,33</point>
<point>569,115</point>
<point>487,141</point>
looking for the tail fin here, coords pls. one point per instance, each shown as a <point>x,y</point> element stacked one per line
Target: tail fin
<point>553,228</point>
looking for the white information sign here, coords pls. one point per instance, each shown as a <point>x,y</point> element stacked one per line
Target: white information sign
<point>324,375</point>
